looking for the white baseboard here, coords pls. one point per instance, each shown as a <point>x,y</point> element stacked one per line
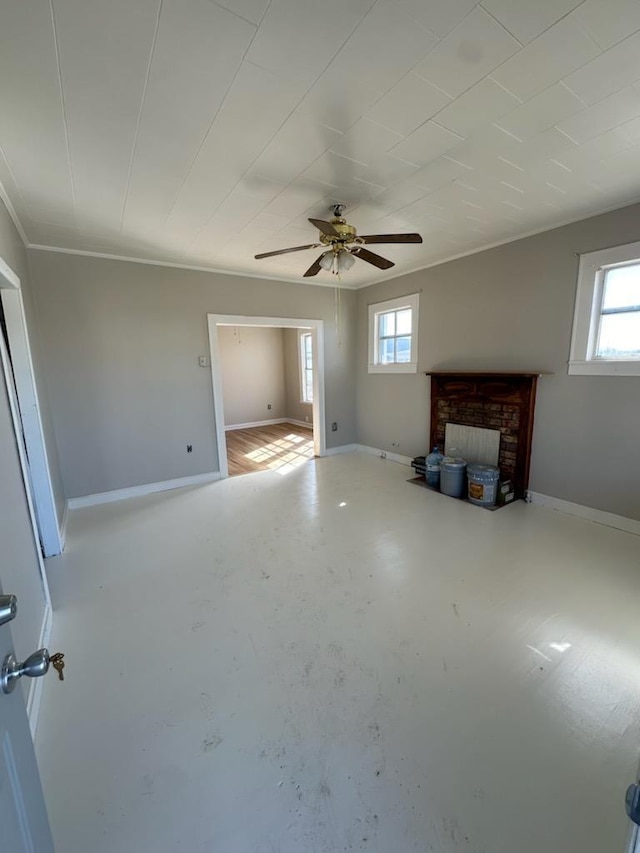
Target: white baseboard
<point>342,448</point>
<point>372,451</point>
<point>145,489</point>
<point>609,519</point>
<point>63,525</point>
<point>270,422</point>
<point>293,421</point>
<point>384,454</point>
<point>34,697</point>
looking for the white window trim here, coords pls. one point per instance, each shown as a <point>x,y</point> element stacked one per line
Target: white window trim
<point>586,317</point>
<point>411,366</point>
<point>301,364</point>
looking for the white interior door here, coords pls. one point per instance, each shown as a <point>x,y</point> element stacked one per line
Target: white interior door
<point>24,827</point>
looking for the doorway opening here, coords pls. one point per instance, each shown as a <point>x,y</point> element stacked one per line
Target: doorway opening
<point>19,376</point>
<point>268,392</point>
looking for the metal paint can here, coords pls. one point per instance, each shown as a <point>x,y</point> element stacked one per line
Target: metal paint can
<point>483,484</point>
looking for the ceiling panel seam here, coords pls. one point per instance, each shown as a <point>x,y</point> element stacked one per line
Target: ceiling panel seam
<point>209,129</point>
<point>62,103</point>
<point>242,18</point>
<point>564,76</point>
<point>542,32</point>
<point>136,135</point>
<point>504,26</point>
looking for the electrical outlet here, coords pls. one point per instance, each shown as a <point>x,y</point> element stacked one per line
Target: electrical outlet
<point>189,448</point>
<point>269,406</point>
<point>334,427</point>
<point>395,444</point>
<point>203,361</point>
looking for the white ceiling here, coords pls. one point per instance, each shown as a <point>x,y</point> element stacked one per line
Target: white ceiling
<point>202,133</point>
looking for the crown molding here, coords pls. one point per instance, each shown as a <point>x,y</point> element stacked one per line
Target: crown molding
<point>192,267</point>
<point>378,280</point>
<point>487,246</point>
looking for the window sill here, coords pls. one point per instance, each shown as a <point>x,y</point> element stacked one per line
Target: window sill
<point>604,368</point>
<point>408,367</point>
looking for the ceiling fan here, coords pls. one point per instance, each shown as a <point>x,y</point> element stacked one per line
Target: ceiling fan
<point>344,245</point>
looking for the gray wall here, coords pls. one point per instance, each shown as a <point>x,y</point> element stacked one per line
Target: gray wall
<point>121,343</point>
<point>252,361</point>
<point>295,409</point>
<point>511,308</point>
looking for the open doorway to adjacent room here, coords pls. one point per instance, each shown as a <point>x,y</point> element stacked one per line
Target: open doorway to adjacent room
<point>268,387</point>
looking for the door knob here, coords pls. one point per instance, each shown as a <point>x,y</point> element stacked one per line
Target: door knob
<point>632,803</point>
<point>34,666</point>
<point>8,608</point>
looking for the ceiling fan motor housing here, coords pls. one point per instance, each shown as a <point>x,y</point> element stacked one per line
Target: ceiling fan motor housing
<point>347,232</point>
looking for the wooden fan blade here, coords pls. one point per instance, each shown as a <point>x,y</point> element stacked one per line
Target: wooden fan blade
<point>315,267</point>
<point>372,258</point>
<point>324,227</point>
<point>286,251</point>
<point>392,238</point>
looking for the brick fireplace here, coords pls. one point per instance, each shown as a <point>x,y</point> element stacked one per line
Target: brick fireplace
<point>500,401</point>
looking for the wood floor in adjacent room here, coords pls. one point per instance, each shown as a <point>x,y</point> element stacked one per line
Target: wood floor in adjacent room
<point>333,660</point>
<point>277,447</point>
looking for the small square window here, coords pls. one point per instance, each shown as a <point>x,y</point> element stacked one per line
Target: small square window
<point>606,327</point>
<point>393,332</point>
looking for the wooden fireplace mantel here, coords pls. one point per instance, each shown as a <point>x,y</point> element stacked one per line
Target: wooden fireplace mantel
<point>487,373</point>
<point>494,400</point>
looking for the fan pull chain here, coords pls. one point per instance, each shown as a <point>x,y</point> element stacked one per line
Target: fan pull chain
<point>338,315</point>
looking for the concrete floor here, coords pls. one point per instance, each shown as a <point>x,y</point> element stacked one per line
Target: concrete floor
<point>336,660</point>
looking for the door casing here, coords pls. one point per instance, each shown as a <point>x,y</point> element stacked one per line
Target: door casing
<point>316,327</point>
<point>48,530</point>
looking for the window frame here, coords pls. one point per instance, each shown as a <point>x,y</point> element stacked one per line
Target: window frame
<point>376,309</point>
<point>588,311</point>
<point>303,334</point>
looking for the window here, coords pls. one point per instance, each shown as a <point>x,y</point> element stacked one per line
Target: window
<point>606,324</point>
<point>619,327</point>
<point>393,333</point>
<point>306,367</point>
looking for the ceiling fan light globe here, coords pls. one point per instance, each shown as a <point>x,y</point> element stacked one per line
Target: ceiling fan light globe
<point>345,261</point>
<point>326,261</point>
